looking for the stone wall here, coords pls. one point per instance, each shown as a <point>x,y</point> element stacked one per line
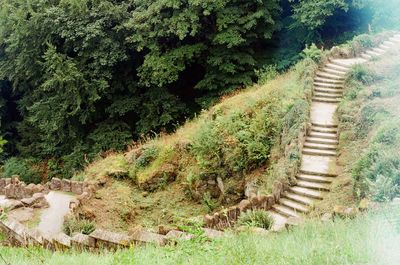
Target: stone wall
<point>13,188</point>
<point>227,218</point>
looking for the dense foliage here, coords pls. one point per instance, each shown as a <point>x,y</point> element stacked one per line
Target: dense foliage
<point>85,76</point>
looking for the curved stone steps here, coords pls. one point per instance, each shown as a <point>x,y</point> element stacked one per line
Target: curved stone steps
<point>318,163</point>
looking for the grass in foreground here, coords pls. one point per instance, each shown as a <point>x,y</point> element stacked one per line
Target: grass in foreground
<point>369,239</point>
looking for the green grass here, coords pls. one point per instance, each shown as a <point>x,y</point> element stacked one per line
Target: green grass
<point>365,240</point>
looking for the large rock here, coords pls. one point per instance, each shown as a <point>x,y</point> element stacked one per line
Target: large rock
<point>61,242</point>
<point>12,204</point>
<point>105,239</point>
<point>76,187</point>
<point>66,185</point>
<point>38,200</point>
<point>144,236</point>
<point>80,242</point>
<point>55,184</point>
<point>213,234</point>
<point>175,235</point>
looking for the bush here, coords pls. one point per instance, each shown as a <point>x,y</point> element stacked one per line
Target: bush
<point>74,225</point>
<point>312,52</point>
<point>148,154</point>
<point>266,73</point>
<point>383,189</point>
<point>23,168</point>
<point>256,218</point>
<point>362,74</point>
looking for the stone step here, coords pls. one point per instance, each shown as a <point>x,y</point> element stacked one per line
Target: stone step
<point>366,56</point>
<point>328,147</point>
<point>318,140</point>
<point>298,198</point>
<point>331,76</point>
<point>384,47</point>
<point>324,125</point>
<point>279,220</point>
<point>325,100</point>
<point>373,53</point>
<point>285,211</point>
<point>327,95</point>
<point>328,85</point>
<point>326,90</point>
<point>389,43</point>
<point>337,67</point>
<point>331,136</point>
<point>316,179</point>
<point>341,63</point>
<point>394,39</point>
<point>324,174</point>
<point>313,185</point>
<point>334,71</point>
<point>297,207</point>
<point>310,193</point>
<point>379,50</point>
<point>328,81</point>
<point>318,152</point>
<point>316,128</point>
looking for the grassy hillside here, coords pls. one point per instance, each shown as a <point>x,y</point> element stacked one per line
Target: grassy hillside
<point>210,161</point>
<point>371,129</point>
<point>370,239</point>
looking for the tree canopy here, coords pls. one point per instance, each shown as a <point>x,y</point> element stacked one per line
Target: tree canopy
<point>85,76</point>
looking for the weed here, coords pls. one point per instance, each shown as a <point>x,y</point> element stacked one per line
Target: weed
<point>256,218</point>
<point>266,74</point>
<point>312,52</point>
<point>209,202</point>
<point>75,225</point>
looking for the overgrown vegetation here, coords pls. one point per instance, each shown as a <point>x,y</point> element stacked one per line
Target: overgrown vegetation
<point>256,218</point>
<point>85,77</point>
<point>370,239</point>
<point>75,225</point>
<point>370,123</point>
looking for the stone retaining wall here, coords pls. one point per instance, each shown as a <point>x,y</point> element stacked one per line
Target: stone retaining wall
<point>20,236</point>
<point>13,188</point>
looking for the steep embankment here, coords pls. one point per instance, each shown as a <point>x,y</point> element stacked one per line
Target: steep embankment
<point>213,161</point>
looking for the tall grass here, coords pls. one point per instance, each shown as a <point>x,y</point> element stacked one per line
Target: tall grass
<point>368,239</point>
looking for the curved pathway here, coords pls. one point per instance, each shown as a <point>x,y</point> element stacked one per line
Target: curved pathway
<point>318,166</point>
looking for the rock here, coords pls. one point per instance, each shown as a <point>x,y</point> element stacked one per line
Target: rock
<point>163,230</point>
<point>213,234</point>
<point>343,212</point>
<point>244,205</point>
<point>145,194</point>
<point>73,204</point>
<point>175,235</point>
<point>61,242</point>
<point>84,197</point>
<point>9,191</point>
<point>144,236</point>
<point>66,185</point>
<point>110,240</point>
<point>30,190</point>
<point>12,204</point>
<point>55,184</point>
<point>38,188</point>
<point>250,189</point>
<point>351,212</point>
<point>208,220</point>
<point>220,185</point>
<point>364,204</point>
<point>326,217</point>
<point>80,242</point>
<point>37,201</point>
<point>76,187</point>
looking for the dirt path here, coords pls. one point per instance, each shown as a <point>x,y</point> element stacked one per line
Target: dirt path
<point>319,156</point>
<point>52,218</point>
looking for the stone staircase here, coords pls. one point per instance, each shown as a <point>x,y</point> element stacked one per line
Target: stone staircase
<point>318,166</point>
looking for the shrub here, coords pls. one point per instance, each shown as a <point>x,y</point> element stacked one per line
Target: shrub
<point>73,225</point>
<point>383,189</point>
<point>266,73</point>
<point>23,168</point>
<point>312,52</point>
<point>362,74</point>
<point>256,218</point>
<point>209,202</point>
<point>149,153</point>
